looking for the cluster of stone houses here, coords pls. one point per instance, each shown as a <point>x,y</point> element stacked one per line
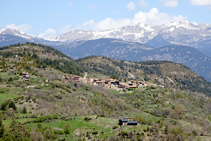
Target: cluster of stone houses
<point>113,83</point>
<point>109,83</point>
<point>75,78</point>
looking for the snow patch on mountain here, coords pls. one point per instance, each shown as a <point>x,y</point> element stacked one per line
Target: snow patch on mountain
<point>139,33</point>
<point>177,32</point>
<point>1,30</point>
<point>16,33</point>
<point>184,24</point>
<point>146,27</point>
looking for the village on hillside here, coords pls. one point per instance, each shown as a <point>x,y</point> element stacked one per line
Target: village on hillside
<point>106,83</point>
<point>113,83</point>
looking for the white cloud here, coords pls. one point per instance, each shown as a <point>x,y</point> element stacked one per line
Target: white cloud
<point>64,29</point>
<point>170,3</point>
<point>200,2</point>
<point>23,28</point>
<point>94,7</point>
<point>48,33</point>
<point>70,4</point>
<point>142,3</point>
<point>131,6</point>
<point>153,17</point>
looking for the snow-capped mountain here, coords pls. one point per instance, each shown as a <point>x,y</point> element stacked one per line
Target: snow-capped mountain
<point>16,32</point>
<point>136,33</point>
<point>177,32</point>
<point>13,36</point>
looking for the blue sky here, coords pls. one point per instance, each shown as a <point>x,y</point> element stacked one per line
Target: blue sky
<point>45,18</point>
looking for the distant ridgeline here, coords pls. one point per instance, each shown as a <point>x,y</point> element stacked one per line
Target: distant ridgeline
<point>68,65</point>
<point>172,74</point>
<point>47,48</point>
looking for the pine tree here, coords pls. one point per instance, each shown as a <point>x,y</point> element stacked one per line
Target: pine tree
<point>10,79</point>
<point>24,111</point>
<point>12,105</point>
<point>3,106</point>
<point>1,128</point>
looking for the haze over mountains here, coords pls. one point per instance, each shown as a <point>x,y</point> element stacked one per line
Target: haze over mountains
<point>177,32</point>
<point>136,43</point>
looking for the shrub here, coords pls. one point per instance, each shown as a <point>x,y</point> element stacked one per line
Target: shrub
<point>48,134</point>
<point>33,116</point>
<point>10,79</point>
<point>140,119</point>
<point>115,127</point>
<point>59,132</point>
<point>24,111</point>
<point>67,128</point>
<point>3,106</point>
<point>38,87</point>
<point>34,99</point>
<point>36,136</point>
<point>94,133</point>
<point>1,128</point>
<point>166,130</point>
<point>12,105</point>
<point>10,112</point>
<point>55,116</point>
<point>179,110</point>
<point>39,125</point>
<point>87,119</point>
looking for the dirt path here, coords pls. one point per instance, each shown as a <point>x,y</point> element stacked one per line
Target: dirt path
<point>85,75</point>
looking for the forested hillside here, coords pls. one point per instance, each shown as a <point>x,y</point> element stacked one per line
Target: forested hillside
<point>161,72</point>
<point>43,105</point>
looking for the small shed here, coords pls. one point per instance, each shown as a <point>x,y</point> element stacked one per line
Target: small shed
<point>133,123</point>
<point>123,121</point>
<point>26,77</point>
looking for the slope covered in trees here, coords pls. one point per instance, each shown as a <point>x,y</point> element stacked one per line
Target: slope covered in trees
<point>48,107</point>
<point>160,72</point>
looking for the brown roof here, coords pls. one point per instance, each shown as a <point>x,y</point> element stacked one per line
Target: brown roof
<point>99,81</point>
<point>132,87</point>
<point>109,80</point>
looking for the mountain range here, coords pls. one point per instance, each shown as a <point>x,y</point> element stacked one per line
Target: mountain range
<point>136,43</point>
<point>130,51</point>
<point>177,32</point>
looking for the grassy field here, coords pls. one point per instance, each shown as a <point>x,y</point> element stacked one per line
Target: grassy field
<point>22,120</point>
<point>78,123</point>
<point>6,96</point>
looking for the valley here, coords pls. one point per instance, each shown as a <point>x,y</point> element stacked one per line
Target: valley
<point>132,70</point>
<point>41,95</point>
